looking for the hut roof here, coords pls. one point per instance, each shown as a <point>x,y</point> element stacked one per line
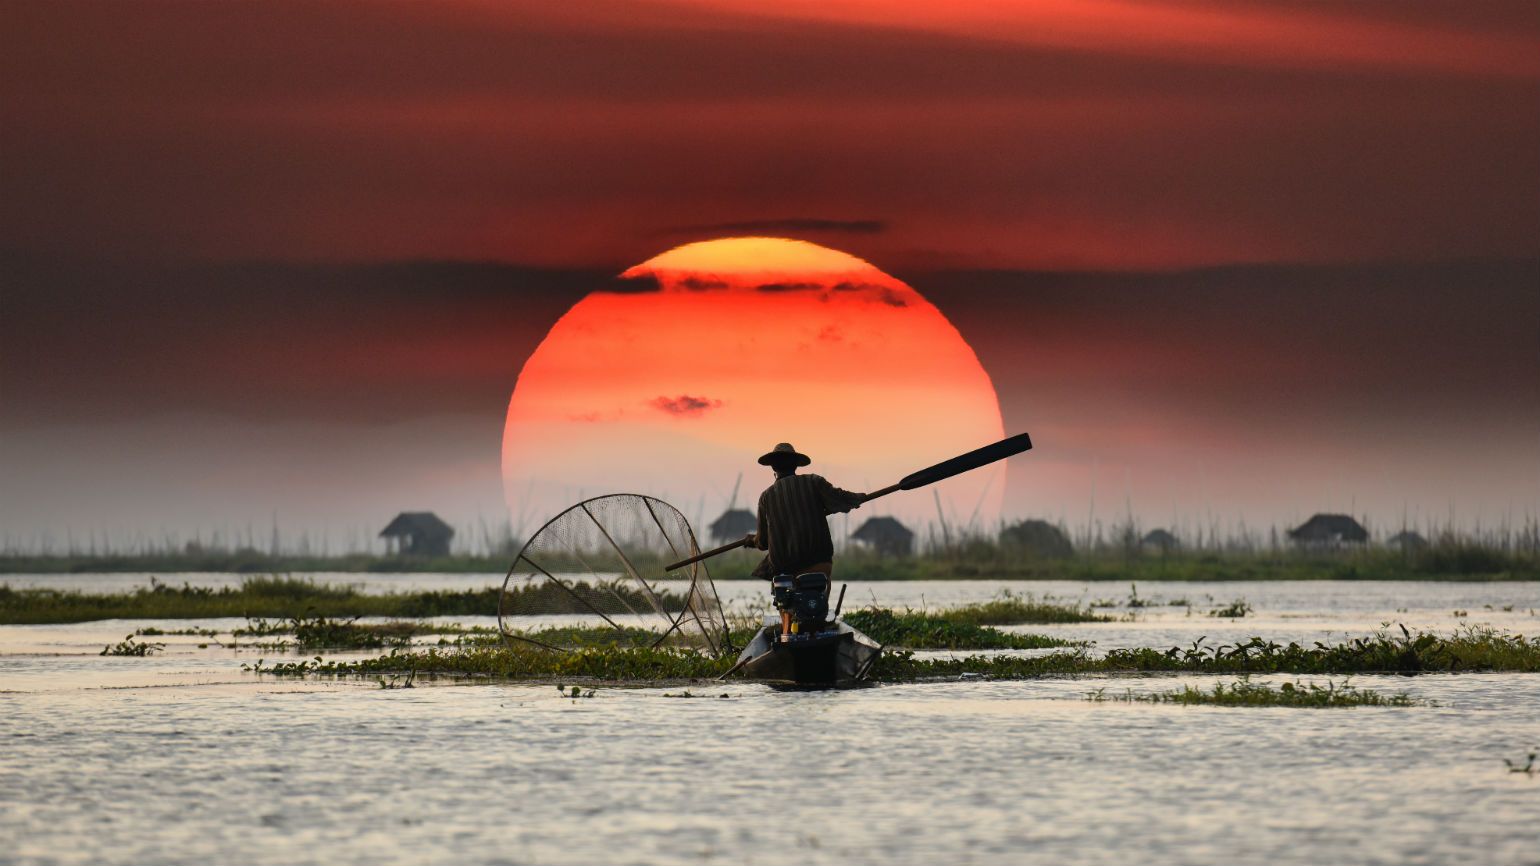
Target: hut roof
<point>1039,537</point>
<point>1407,538</point>
<point>881,528</point>
<point>417,523</point>
<point>1159,538</point>
<point>734,521</point>
<point>1330,527</point>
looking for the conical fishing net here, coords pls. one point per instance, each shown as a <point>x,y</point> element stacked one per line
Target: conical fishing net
<point>594,575</point>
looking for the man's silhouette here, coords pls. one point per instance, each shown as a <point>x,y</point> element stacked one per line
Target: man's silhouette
<point>793,517</point>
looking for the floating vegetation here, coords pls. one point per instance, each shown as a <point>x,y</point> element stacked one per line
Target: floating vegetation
<point>636,664</point>
<point>127,647</point>
<point>1528,768</point>
<point>1467,650</point>
<point>179,632</point>
<point>576,692</point>
<point>1011,609</point>
<point>1234,610</point>
<point>1249,694</point>
<point>587,636</point>
<point>398,682</point>
<point>311,633</point>
<point>940,631</point>
<point>287,597</point>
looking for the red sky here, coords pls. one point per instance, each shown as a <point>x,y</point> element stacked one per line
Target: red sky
<point>1287,247</point>
<point>1069,134</point>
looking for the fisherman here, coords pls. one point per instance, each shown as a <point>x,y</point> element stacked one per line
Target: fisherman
<point>793,517</point>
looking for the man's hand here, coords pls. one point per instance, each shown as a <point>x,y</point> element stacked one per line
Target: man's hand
<point>751,540</point>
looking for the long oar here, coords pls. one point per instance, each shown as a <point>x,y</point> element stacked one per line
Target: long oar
<point>929,475</point>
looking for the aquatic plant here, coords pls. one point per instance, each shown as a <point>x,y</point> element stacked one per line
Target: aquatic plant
<point>1234,610</point>
<point>127,647</point>
<point>398,682</point>
<point>1527,768</point>
<point>187,632</point>
<point>940,631</point>
<point>1248,694</point>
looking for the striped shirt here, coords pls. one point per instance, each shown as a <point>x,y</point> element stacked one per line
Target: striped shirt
<point>794,525</point>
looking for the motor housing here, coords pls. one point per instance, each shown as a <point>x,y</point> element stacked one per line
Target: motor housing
<point>803,600</point>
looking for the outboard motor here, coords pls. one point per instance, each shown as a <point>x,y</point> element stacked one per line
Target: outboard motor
<point>803,600</point>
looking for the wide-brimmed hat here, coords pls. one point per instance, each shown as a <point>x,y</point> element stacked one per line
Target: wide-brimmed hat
<point>784,453</point>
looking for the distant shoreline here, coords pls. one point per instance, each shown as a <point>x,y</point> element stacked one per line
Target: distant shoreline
<point>1367,564</point>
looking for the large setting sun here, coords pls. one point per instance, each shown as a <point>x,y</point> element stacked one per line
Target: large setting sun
<point>730,346</point>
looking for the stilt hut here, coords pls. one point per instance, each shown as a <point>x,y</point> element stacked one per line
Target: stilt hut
<point>886,536</point>
<point>418,533</point>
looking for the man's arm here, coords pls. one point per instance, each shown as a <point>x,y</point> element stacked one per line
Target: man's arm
<point>835,500</point>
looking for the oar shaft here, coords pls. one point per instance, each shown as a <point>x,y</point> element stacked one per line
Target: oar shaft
<point>707,555</point>
<point>930,475</point>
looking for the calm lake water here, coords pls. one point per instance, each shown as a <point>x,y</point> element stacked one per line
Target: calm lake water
<point>183,758</point>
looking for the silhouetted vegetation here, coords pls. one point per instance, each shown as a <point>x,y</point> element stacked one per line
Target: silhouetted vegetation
<point>1027,550</point>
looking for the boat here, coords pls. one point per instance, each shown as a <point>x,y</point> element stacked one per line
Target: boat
<point>805,645</point>
<point>836,656</point>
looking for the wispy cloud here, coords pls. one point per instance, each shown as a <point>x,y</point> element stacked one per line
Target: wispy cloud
<point>685,406</point>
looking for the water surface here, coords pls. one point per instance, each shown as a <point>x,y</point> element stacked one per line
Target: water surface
<point>183,758</point>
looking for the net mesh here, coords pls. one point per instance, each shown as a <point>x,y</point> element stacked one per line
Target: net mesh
<point>595,575</point>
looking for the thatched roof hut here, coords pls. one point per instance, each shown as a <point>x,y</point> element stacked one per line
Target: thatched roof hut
<point>1407,540</point>
<point>886,536</point>
<point>1329,530</point>
<point>1037,538</point>
<point>1159,539</point>
<point>419,533</point>
<point>733,525</point>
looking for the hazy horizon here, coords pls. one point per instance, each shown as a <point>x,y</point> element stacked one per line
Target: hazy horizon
<point>1190,396</point>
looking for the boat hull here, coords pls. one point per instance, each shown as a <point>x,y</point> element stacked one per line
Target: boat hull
<point>837,656</point>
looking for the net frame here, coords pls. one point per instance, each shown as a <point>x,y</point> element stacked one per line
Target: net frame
<point>701,616</point>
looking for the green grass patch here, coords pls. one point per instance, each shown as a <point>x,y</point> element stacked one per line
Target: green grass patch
<point>1249,694</point>
<point>939,631</point>
<point>288,597</point>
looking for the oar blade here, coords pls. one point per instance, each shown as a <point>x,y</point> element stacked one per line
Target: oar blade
<point>964,462</point>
